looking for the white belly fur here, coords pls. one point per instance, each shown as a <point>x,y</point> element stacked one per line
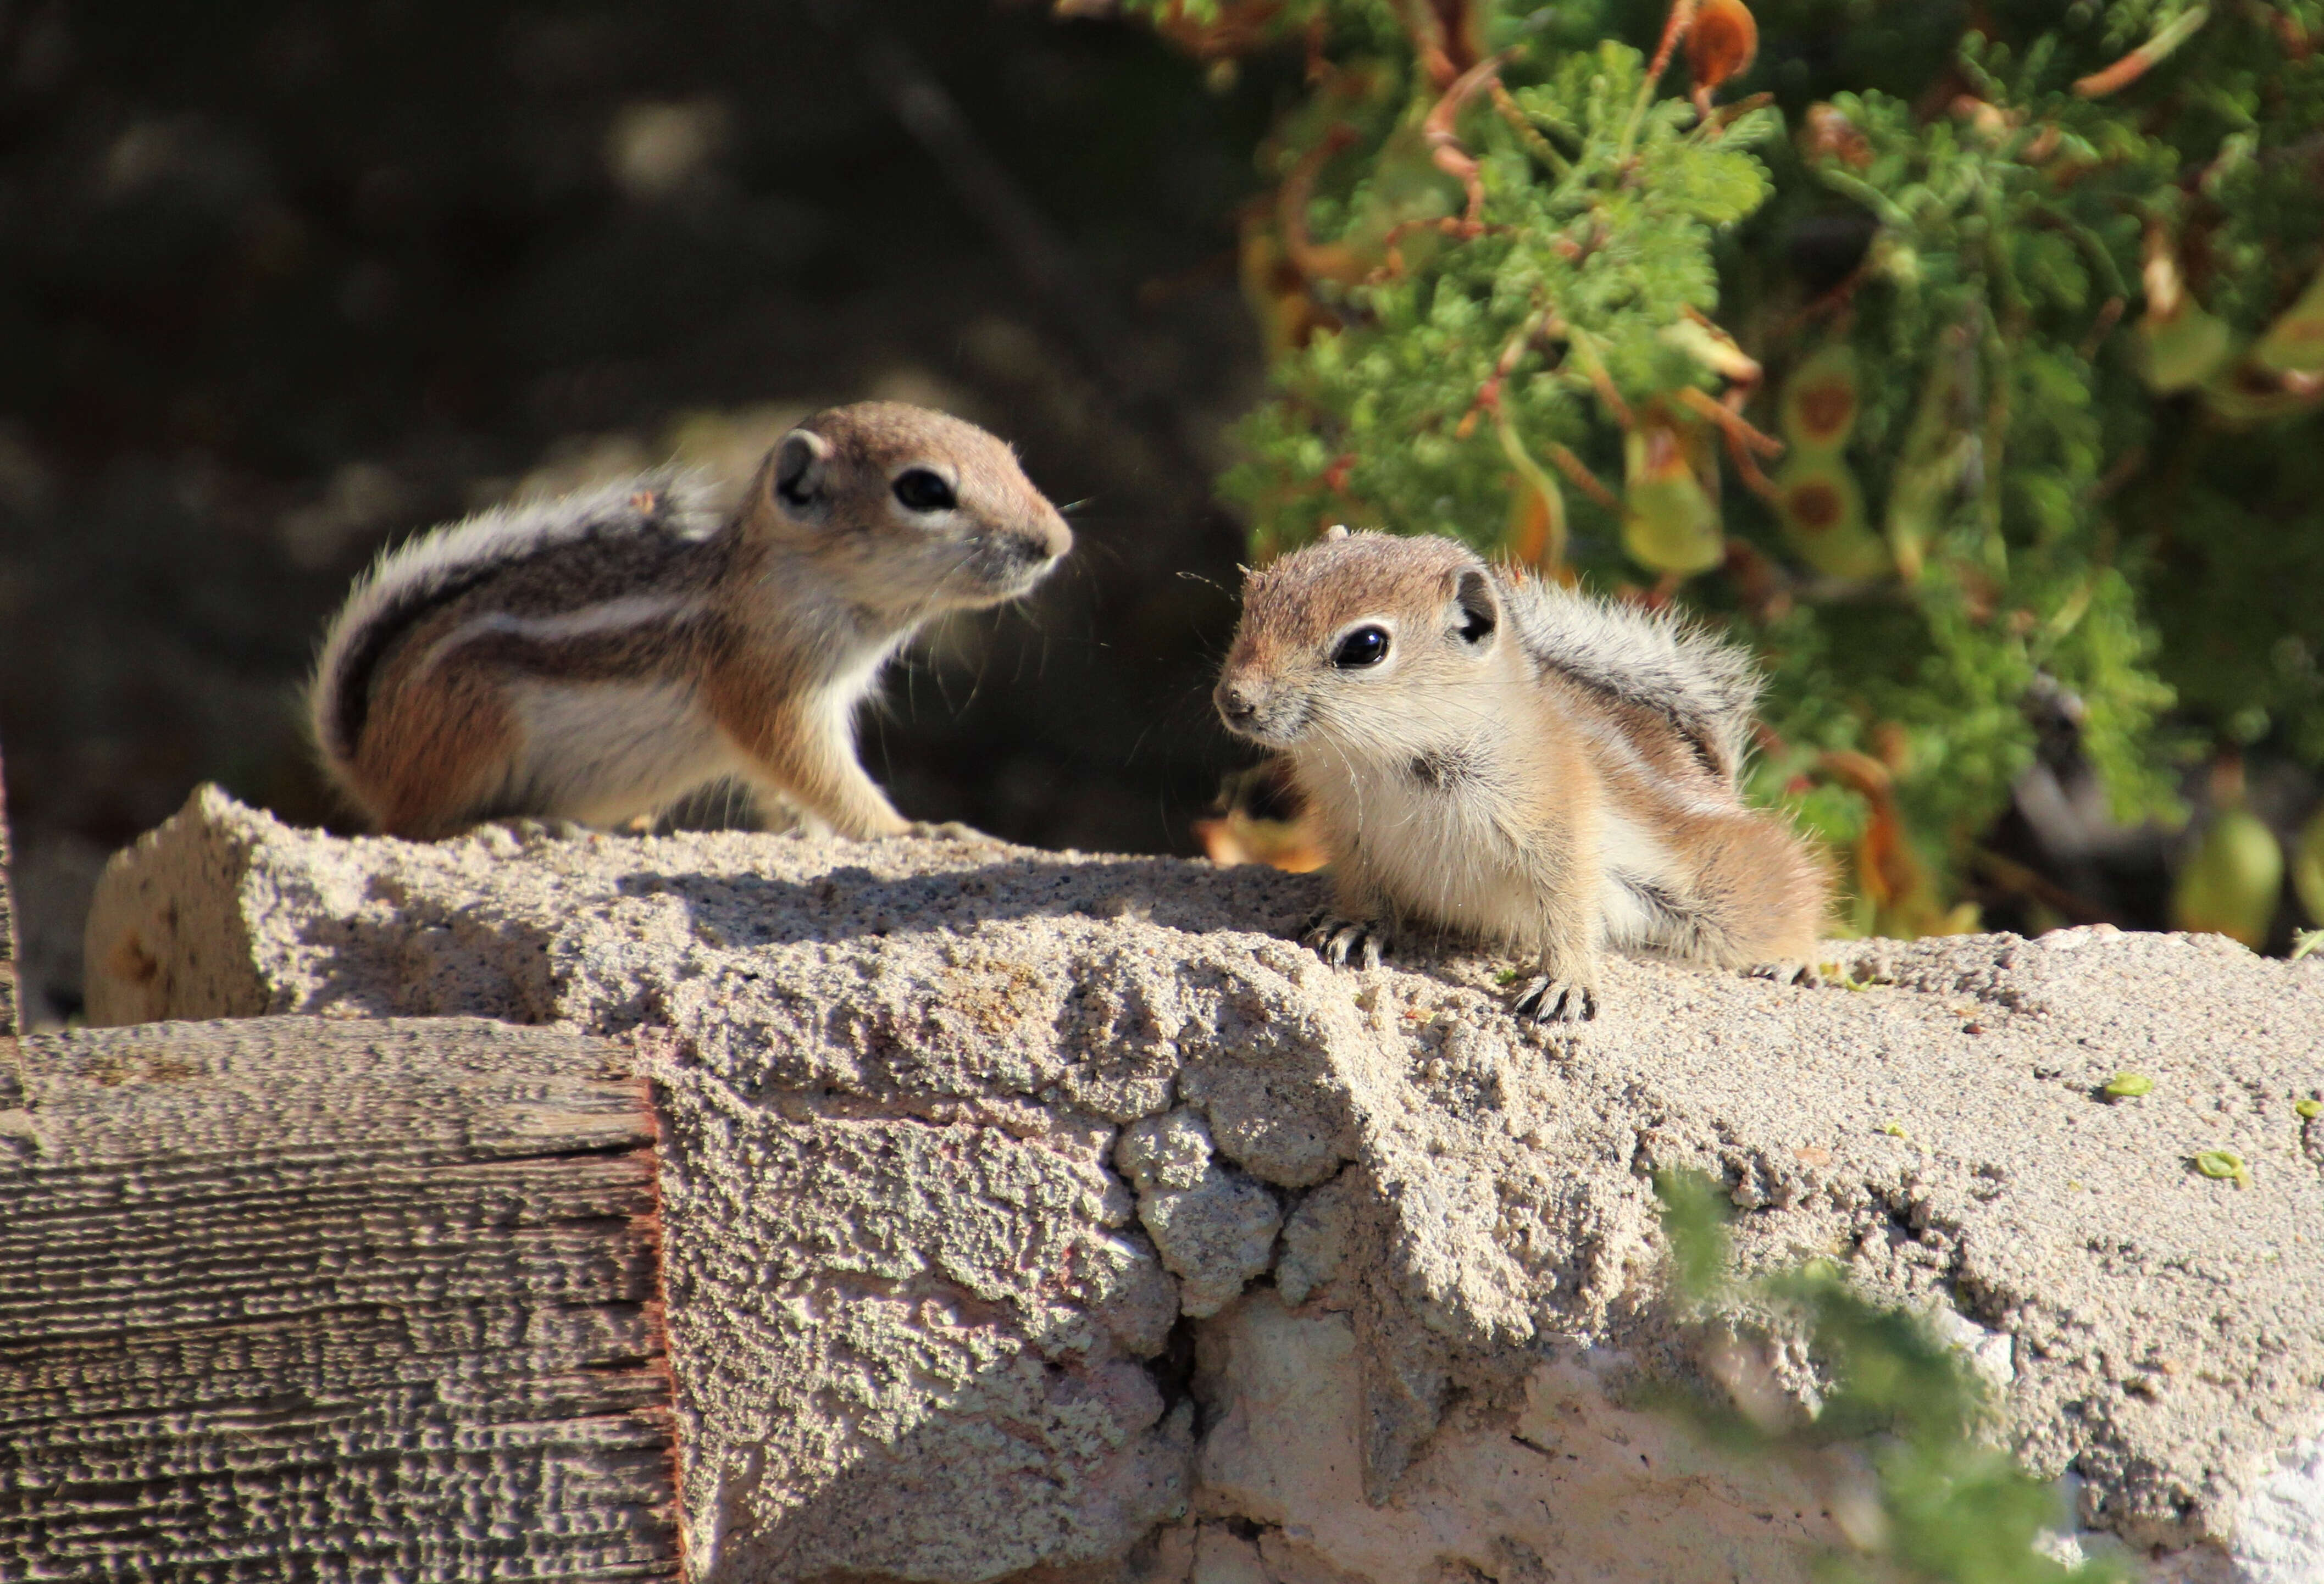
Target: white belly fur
<point>1446,859</point>
<point>1443,859</point>
<point>1626,847</point>
<point>608,752</point>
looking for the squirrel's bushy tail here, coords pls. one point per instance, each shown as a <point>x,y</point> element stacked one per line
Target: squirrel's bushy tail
<point>1705,685</point>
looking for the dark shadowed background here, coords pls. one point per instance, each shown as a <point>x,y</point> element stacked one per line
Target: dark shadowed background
<point>280,283</point>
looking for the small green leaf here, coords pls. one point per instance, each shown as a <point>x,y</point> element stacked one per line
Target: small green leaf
<point>1894,1129</point>
<point>2129,1086</point>
<point>2224,1163</point>
<point>1507,976</point>
<point>2308,1111</point>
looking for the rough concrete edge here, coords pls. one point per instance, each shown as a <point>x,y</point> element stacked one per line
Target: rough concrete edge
<point>225,832</point>
<point>121,964</point>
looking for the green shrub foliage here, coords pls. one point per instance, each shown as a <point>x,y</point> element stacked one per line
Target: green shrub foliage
<point>1951,353</point>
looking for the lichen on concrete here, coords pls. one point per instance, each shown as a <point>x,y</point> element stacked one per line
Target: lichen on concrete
<point>1054,1215</point>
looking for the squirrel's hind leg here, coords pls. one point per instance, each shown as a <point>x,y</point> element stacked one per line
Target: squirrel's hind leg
<point>435,757</point>
<point>1766,894</point>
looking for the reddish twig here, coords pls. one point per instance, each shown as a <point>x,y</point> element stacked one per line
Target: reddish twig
<point>1445,143</point>
<point>2109,314</point>
<point>1426,28</point>
<point>2141,60</point>
<point>1587,481</point>
<point>1487,399</point>
<point>1682,12</point>
<point>1336,261</point>
<point>1736,427</point>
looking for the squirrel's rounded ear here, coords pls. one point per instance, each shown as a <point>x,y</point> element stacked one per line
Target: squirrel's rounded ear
<point>1338,531</point>
<point>1478,605</point>
<point>801,460</point>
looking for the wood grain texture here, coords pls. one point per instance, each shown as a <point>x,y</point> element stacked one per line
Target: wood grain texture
<point>296,1298</point>
<point>12,1000</point>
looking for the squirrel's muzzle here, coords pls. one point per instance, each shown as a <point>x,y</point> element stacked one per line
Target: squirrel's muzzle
<point>1253,710</point>
<point>1012,562</point>
<point>1237,707</point>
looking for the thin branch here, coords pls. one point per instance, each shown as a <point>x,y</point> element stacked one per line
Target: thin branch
<point>1551,556</point>
<point>1682,14</point>
<point>1489,394</point>
<point>2141,60</point>
<point>1586,349</point>
<point>1537,142</point>
<point>1445,143</point>
<point>1426,29</point>
<point>1332,261</point>
<point>1737,429</point>
<point>1587,481</point>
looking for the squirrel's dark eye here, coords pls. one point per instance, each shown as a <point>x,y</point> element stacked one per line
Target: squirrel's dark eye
<point>1366,646</point>
<point>922,491</point>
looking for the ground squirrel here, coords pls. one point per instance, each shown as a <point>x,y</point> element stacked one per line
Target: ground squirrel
<point>1484,751</point>
<point>599,655</point>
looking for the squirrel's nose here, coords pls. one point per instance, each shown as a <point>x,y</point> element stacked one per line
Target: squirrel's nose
<point>1235,703</point>
<point>1045,542</point>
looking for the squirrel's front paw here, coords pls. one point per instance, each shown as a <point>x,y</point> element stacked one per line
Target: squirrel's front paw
<point>1807,975</point>
<point>1337,940</point>
<point>1555,1001</point>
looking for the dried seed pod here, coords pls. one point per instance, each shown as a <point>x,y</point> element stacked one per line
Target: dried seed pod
<point>2240,395</point>
<point>1820,400</point>
<point>2232,879</point>
<point>1822,513</point>
<point>1722,41</point>
<point>1670,521</point>
<point>2179,352</point>
<point>2294,343</point>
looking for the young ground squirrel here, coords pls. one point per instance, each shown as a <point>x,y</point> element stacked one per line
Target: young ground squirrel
<point>1486,752</point>
<point>597,657</point>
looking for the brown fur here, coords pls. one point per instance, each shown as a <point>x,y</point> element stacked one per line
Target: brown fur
<point>1481,778</point>
<point>595,658</point>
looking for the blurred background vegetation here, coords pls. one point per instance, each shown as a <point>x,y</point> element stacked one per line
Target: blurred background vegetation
<point>280,283</point>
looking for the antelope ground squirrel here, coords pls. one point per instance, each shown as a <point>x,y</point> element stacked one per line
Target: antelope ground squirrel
<point>600,655</point>
<point>1486,752</point>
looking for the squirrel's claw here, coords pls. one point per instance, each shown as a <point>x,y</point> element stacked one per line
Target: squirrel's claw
<point>1555,1001</point>
<point>1807,975</point>
<point>1336,940</point>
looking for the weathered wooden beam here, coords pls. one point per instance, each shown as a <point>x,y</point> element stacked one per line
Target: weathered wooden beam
<point>12,1000</point>
<point>297,1298</point>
